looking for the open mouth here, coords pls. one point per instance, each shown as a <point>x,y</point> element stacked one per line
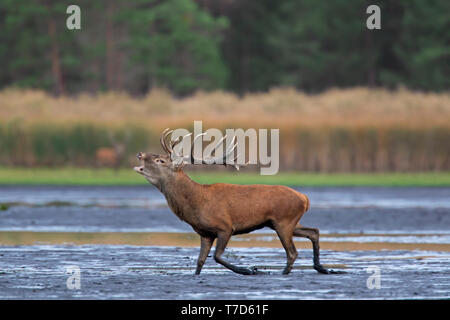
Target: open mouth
<point>139,169</point>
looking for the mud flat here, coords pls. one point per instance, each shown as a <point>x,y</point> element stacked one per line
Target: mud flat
<point>128,245</point>
<point>143,209</point>
<point>152,272</point>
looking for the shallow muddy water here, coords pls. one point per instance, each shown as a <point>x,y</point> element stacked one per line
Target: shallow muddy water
<point>136,272</point>
<point>128,245</point>
<point>144,209</point>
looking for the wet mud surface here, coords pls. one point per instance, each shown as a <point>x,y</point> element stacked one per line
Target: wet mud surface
<point>144,209</point>
<point>135,272</point>
<point>128,245</point>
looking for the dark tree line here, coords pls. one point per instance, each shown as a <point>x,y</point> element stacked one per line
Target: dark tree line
<point>238,45</point>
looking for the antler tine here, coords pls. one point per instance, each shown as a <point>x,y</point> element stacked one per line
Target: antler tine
<point>221,141</point>
<point>229,151</point>
<point>192,147</point>
<point>169,148</point>
<point>177,140</point>
<point>232,147</point>
<point>162,140</point>
<point>237,166</point>
<point>174,143</point>
<point>215,160</point>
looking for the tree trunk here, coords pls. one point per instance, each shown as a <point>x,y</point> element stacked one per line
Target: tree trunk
<point>110,55</point>
<point>55,58</point>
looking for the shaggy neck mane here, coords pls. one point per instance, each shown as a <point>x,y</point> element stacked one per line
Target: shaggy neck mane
<point>182,195</point>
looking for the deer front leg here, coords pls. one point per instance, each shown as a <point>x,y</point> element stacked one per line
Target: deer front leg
<point>205,247</point>
<point>222,241</point>
<point>289,247</point>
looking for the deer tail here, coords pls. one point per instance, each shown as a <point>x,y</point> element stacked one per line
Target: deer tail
<point>307,203</point>
<point>305,199</point>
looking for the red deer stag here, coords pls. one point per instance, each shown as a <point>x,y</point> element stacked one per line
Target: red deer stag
<point>221,210</point>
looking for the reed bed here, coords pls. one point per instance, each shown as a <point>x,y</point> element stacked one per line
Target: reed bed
<point>351,130</point>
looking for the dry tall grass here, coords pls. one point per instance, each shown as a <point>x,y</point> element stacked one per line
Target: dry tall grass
<point>358,106</point>
<point>355,129</point>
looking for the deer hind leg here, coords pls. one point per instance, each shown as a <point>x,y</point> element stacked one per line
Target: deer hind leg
<point>222,241</point>
<point>313,235</point>
<point>205,248</point>
<point>289,247</point>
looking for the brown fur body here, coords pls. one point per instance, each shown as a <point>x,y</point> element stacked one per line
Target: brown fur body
<point>210,209</point>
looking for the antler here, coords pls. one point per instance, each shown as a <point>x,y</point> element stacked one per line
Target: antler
<point>217,160</point>
<point>164,135</point>
<point>191,159</point>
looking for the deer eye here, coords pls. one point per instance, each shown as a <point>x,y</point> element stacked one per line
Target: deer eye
<point>160,161</point>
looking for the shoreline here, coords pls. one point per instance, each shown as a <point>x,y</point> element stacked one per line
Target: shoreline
<point>127,177</point>
<point>185,239</point>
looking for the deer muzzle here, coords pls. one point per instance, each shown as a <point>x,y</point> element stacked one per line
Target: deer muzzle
<point>139,169</point>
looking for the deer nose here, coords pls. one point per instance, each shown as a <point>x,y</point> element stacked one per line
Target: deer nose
<point>139,155</point>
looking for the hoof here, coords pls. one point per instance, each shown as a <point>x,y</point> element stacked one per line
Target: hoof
<point>244,271</point>
<point>256,271</point>
<point>286,271</point>
<point>251,271</point>
<point>322,270</point>
<point>337,272</point>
